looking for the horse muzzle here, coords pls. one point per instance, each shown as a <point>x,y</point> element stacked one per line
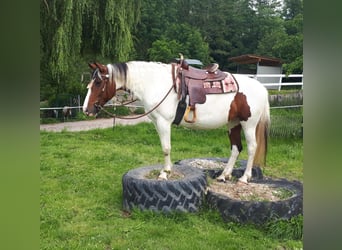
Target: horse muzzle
<point>87,113</point>
<point>92,111</point>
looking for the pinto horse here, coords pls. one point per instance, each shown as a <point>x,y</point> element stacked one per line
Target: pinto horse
<point>154,85</point>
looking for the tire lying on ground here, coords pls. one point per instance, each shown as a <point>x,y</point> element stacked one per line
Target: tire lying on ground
<point>208,166</point>
<point>185,194</point>
<point>258,212</point>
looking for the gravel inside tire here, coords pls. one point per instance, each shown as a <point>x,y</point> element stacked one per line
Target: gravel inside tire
<point>185,194</point>
<point>215,172</point>
<point>258,212</point>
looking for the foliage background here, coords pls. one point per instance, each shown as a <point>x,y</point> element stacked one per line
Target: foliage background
<point>74,32</point>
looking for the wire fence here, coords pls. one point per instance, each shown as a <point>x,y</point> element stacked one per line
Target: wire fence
<point>286,121</point>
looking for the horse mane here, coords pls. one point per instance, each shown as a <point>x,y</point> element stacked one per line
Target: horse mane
<point>139,74</point>
<point>117,73</point>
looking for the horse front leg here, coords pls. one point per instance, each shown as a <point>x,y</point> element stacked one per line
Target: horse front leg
<point>164,131</point>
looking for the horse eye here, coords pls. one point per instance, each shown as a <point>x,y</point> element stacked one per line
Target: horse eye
<point>97,83</point>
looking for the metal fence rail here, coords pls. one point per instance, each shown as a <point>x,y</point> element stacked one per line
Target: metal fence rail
<point>278,80</point>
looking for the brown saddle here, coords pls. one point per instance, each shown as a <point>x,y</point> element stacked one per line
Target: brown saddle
<point>209,73</point>
<point>197,83</point>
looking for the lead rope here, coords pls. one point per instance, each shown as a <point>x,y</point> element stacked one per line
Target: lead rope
<point>114,116</point>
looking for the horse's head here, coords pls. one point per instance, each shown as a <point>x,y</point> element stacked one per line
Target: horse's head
<point>101,89</point>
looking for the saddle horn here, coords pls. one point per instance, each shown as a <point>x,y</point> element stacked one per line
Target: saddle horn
<point>182,62</point>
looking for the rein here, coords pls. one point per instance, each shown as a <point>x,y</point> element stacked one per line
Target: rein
<point>137,116</point>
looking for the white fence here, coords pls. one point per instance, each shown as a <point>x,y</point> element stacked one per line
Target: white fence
<point>278,78</point>
<point>61,108</point>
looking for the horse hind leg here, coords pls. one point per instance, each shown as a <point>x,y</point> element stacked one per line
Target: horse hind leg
<point>251,147</point>
<point>234,135</point>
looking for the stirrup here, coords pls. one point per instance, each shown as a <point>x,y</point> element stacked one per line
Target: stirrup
<point>187,111</point>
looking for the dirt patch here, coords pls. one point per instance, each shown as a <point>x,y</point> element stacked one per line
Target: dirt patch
<point>174,175</point>
<point>90,124</point>
<point>207,164</point>
<point>251,191</point>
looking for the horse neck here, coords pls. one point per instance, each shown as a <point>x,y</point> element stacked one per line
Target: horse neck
<point>145,79</point>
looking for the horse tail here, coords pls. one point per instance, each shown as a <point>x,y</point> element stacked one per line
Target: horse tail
<point>261,134</point>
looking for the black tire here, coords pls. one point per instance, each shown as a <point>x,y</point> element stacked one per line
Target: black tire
<point>184,195</point>
<point>214,173</point>
<point>259,211</point>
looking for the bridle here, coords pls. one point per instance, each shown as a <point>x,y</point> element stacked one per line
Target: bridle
<point>98,73</point>
<point>102,77</point>
<point>105,78</point>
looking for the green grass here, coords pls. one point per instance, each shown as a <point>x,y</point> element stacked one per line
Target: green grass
<point>81,192</point>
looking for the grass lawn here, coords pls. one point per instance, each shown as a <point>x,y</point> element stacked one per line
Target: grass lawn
<point>81,192</point>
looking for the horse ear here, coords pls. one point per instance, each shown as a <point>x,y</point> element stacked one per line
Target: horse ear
<point>92,66</point>
<point>102,68</point>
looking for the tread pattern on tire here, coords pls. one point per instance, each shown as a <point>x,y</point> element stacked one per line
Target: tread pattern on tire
<point>185,194</point>
<point>259,211</point>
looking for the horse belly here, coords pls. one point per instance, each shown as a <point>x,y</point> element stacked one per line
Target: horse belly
<point>213,113</point>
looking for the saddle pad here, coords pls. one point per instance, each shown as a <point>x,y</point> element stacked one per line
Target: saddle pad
<point>198,89</point>
<point>217,87</point>
<point>229,84</point>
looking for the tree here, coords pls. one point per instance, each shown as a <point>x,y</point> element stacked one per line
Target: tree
<point>164,50</point>
<point>244,29</point>
<point>292,46</point>
<point>285,41</point>
<point>292,8</point>
<point>164,26</point>
<point>74,29</point>
<point>191,41</point>
<point>156,16</point>
<point>214,20</point>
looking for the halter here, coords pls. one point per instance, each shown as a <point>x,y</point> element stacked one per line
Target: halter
<point>98,74</point>
<point>133,117</point>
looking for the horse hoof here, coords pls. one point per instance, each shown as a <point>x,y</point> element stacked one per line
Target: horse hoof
<point>221,178</point>
<point>243,180</point>
<point>162,176</point>
<point>241,183</point>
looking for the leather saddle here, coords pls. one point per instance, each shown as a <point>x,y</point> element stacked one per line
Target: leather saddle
<point>197,83</point>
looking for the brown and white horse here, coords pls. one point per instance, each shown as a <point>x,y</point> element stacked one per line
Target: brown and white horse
<point>246,110</point>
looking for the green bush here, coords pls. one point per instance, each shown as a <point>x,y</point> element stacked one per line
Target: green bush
<point>122,111</point>
<point>139,111</point>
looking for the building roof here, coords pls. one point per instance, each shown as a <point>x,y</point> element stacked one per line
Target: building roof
<point>252,59</point>
<point>189,61</point>
<point>194,61</point>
